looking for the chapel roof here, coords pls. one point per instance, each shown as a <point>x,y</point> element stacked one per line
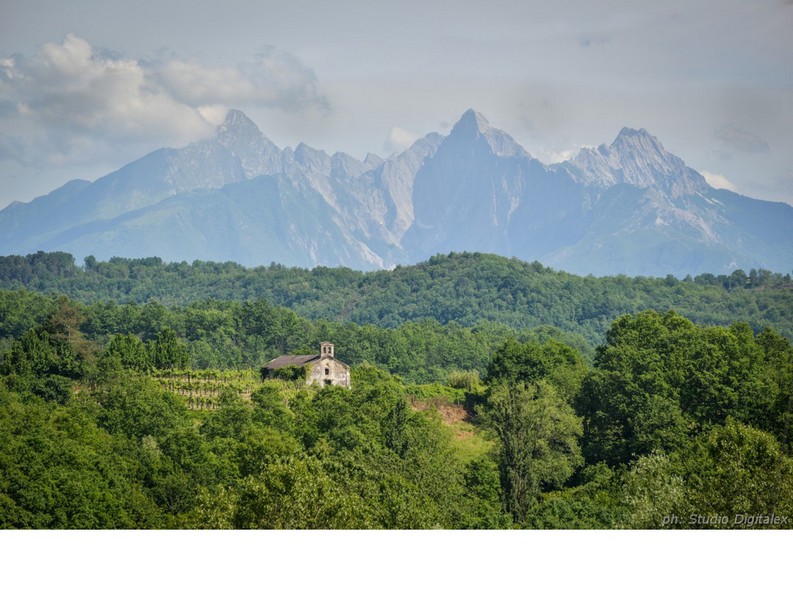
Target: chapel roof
<point>287,360</point>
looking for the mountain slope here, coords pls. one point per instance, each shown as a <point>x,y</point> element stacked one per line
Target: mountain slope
<point>266,216</point>
<point>630,207</point>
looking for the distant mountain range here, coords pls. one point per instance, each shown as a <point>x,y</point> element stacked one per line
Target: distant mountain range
<point>630,207</point>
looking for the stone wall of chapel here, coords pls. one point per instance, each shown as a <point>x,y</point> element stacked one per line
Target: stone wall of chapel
<point>329,369</point>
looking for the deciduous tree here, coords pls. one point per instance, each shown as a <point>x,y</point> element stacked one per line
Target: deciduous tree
<point>537,434</point>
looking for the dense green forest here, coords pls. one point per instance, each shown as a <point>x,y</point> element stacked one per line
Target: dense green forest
<point>466,289</point>
<point>150,414</point>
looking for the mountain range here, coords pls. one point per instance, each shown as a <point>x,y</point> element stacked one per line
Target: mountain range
<point>630,207</point>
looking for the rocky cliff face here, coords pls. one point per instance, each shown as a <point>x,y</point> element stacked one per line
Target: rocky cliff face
<point>637,158</point>
<point>628,207</point>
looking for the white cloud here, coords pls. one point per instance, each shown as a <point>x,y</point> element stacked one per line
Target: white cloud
<point>272,78</point>
<point>69,88</point>
<point>563,155</point>
<point>71,102</point>
<point>398,140</point>
<point>718,181</point>
<point>214,113</point>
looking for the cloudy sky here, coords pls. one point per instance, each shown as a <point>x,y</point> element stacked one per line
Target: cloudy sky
<point>86,86</point>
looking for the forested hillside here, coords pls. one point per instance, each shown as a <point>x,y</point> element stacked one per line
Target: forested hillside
<point>466,289</point>
<point>666,424</point>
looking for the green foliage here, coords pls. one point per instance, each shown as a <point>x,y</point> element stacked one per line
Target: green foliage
<point>153,414</point>
<point>738,470</point>
<point>596,503</point>
<point>395,428</point>
<point>290,373</point>
<point>483,495</point>
<point>59,470</point>
<point>167,352</point>
<point>733,477</point>
<point>464,380</point>
<point>538,433</point>
<point>272,408</point>
<point>530,362</point>
<point>55,347</point>
<point>467,289</point>
<point>660,379</point>
<point>296,493</point>
<point>138,408</point>
<point>130,351</point>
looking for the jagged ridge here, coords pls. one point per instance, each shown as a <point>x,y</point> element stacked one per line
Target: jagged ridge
<point>628,207</point>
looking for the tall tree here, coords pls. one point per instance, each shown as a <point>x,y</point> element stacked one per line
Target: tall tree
<point>130,350</point>
<point>538,435</point>
<point>168,352</point>
<point>529,362</point>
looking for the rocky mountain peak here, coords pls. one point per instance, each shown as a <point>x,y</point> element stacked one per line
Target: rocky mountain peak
<point>257,154</point>
<point>638,158</point>
<point>628,132</point>
<point>630,144</point>
<point>472,126</point>
<point>471,123</point>
<point>237,125</point>
<point>308,156</point>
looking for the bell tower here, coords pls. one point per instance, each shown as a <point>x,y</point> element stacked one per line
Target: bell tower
<point>326,350</point>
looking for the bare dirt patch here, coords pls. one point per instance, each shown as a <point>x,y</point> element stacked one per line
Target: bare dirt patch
<point>451,414</point>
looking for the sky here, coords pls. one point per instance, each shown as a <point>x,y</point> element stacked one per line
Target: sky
<point>87,86</point>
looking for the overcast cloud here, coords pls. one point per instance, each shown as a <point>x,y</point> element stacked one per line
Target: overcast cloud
<point>87,86</point>
<point>69,102</point>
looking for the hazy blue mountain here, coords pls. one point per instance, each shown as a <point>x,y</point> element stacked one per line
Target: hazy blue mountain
<point>19,221</point>
<point>265,216</point>
<point>653,214</point>
<point>630,207</point>
<point>481,191</point>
